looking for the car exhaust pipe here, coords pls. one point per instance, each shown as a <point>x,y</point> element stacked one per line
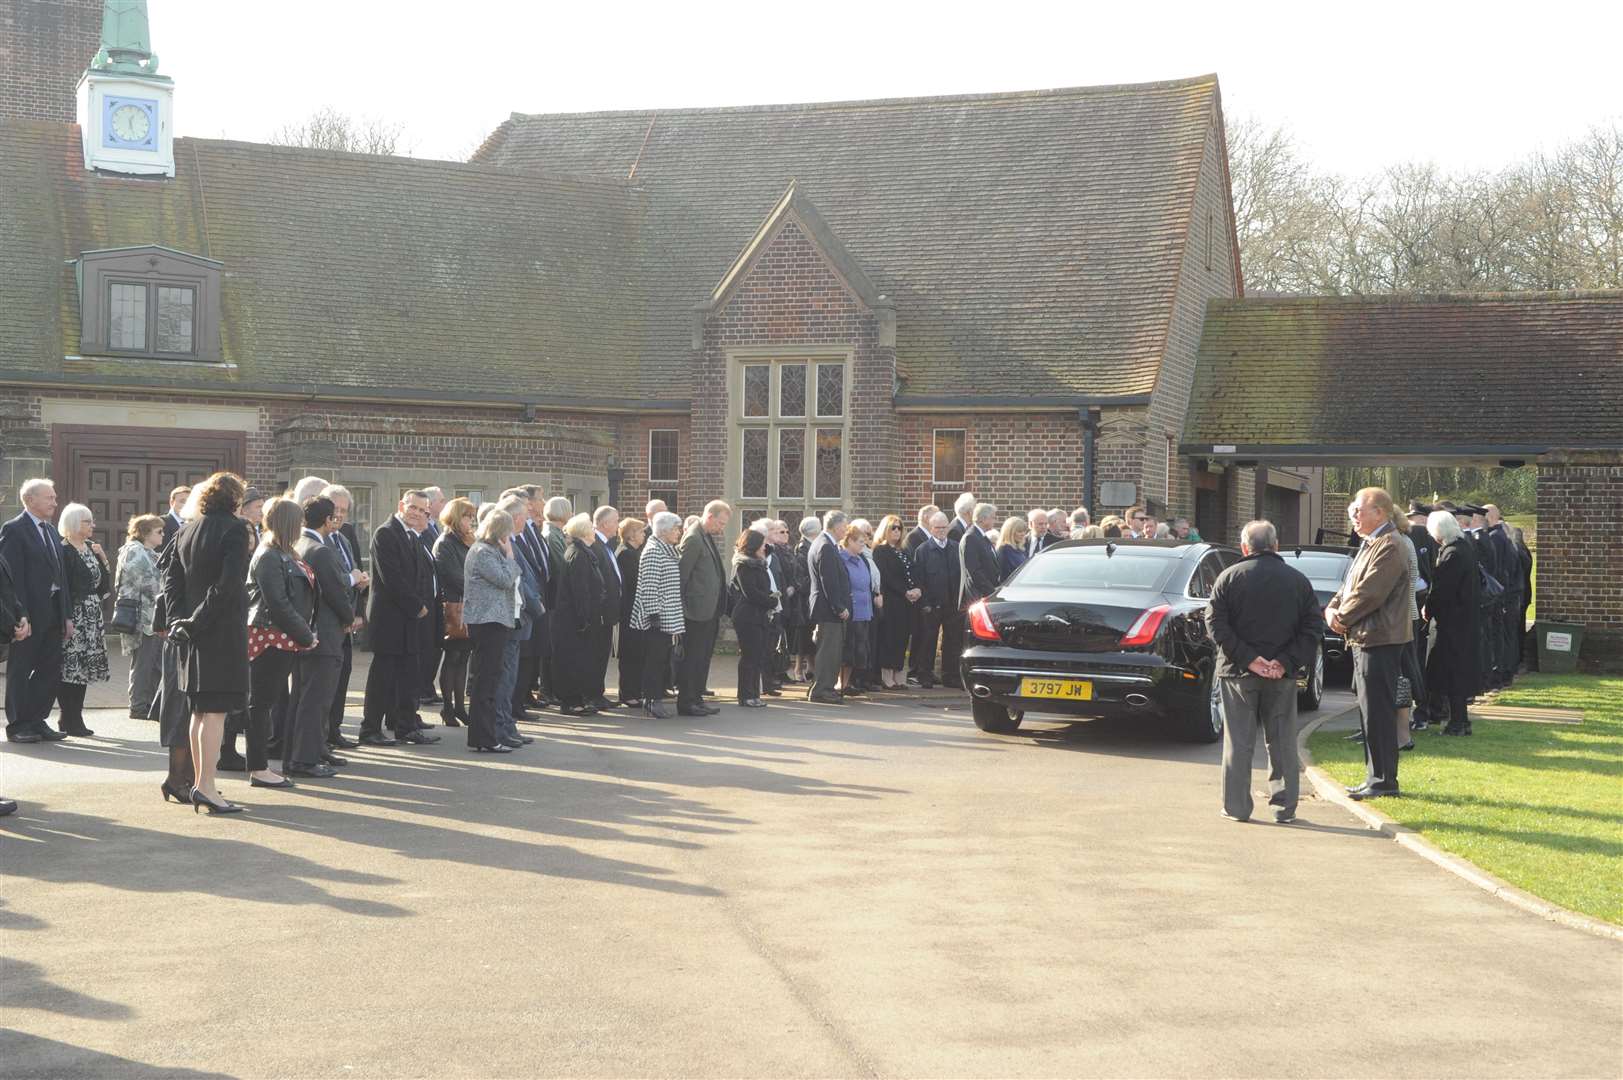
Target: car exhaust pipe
<point>1136,700</point>
<point>982,691</point>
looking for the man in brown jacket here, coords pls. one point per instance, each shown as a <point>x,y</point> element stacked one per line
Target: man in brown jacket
<point>1372,610</point>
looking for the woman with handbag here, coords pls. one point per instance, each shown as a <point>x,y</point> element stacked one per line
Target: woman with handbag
<point>633,535</point>
<point>450,559</point>
<point>281,624</point>
<point>656,610</point>
<point>84,652</point>
<point>136,585</point>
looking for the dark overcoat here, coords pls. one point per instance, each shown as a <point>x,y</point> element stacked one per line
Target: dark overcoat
<point>402,590</point>
<point>205,590</point>
<point>1456,606</point>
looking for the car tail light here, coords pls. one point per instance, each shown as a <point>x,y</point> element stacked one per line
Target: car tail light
<point>980,622</point>
<point>1146,626</point>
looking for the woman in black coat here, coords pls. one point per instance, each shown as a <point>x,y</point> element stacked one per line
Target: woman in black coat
<point>633,645</point>
<point>281,625</point>
<point>895,623</point>
<point>1452,671</point>
<point>576,617</point>
<point>450,556</point>
<point>753,603</point>
<point>206,596</point>
<point>797,622</point>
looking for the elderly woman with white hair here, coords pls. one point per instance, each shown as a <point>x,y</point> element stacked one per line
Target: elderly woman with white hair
<point>84,652</point>
<point>578,615</point>
<point>1452,672</point>
<point>656,608</point>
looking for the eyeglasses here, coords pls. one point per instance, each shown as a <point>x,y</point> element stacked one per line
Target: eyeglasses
<point>895,528</point>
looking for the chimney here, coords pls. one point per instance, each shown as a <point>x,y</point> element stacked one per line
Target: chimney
<point>45,45</point>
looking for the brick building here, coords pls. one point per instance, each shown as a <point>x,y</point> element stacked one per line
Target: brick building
<point>871,304</point>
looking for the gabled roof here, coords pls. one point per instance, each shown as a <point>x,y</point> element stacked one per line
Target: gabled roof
<point>1030,241</point>
<point>796,206</point>
<point>1481,375</point>
<point>344,273</point>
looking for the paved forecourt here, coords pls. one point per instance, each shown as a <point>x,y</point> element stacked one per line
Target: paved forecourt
<point>873,890</point>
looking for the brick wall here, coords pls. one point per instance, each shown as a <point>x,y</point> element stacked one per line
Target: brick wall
<point>45,45</point>
<point>791,296</point>
<point>1205,272</point>
<point>1580,565</point>
<point>1015,460</point>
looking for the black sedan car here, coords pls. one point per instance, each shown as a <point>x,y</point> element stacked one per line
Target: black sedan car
<point>1099,628</point>
<point>1325,568</point>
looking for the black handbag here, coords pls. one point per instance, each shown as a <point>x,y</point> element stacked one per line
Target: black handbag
<point>126,616</point>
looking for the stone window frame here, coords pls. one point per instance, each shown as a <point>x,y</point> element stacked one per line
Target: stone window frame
<point>153,267</point>
<point>675,478</point>
<point>777,356</point>
<point>935,480</point>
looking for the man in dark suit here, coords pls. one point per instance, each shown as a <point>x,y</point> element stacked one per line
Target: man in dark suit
<point>532,688</point>
<point>171,520</point>
<point>915,647</point>
<point>961,509</point>
<point>1037,534</point>
<point>555,513</point>
<point>316,672</point>
<point>606,521</point>
<point>433,629</point>
<point>830,607</point>
<point>704,599</point>
<point>402,592</point>
<point>979,557</point>
<point>935,571</point>
<point>13,628</point>
<point>358,579</point>
<point>1425,549</point>
<point>32,549</point>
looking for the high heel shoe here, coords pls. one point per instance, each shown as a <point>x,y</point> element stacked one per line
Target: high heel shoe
<point>222,807</point>
<point>183,797</point>
<point>450,719</point>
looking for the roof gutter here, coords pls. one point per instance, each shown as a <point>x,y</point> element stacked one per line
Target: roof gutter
<point>1015,402</point>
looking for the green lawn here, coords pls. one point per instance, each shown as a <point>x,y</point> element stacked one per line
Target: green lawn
<point>1540,805</point>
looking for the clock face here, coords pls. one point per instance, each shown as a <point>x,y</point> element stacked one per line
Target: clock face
<point>131,124</point>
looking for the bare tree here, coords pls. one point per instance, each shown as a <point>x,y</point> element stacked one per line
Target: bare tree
<point>329,129</point>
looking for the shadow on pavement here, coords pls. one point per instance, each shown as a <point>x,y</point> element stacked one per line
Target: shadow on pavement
<point>26,987</point>
<point>30,1056</point>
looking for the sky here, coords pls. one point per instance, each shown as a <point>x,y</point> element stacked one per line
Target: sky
<point>1360,85</point>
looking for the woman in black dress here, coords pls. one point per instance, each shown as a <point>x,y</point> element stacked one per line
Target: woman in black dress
<point>633,645</point>
<point>450,557</point>
<point>206,595</point>
<point>901,593</point>
<point>1452,671</point>
<point>580,611</point>
<point>797,610</point>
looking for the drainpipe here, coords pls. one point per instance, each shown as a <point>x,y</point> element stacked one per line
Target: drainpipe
<point>1090,434</point>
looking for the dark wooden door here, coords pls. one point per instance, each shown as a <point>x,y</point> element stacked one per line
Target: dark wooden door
<point>121,472</point>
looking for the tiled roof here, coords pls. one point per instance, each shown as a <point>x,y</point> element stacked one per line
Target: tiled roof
<point>1030,242</point>
<point>386,276</point>
<point>1406,373</point>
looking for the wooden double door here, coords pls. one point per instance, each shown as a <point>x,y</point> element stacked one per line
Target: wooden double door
<point>121,472</point>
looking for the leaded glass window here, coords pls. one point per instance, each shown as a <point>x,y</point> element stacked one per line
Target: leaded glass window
<point>948,465</point>
<point>791,463</point>
<point>830,389</point>
<point>755,463</point>
<point>758,390</point>
<point>662,460</point>
<point>792,390</point>
<point>827,484</point>
<point>176,310</point>
<point>127,310</point>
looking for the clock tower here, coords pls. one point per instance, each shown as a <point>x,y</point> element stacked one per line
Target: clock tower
<point>126,113</point>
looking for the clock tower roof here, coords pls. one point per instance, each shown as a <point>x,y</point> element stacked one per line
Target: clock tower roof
<point>126,39</point>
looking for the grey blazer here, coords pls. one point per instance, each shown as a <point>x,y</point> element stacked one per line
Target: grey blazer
<point>488,578</point>
<point>334,613</point>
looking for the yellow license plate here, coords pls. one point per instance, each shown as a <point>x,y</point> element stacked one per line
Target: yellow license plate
<point>1064,689</point>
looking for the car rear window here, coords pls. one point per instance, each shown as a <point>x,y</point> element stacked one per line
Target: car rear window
<point>1091,567</point>
<point>1319,567</point>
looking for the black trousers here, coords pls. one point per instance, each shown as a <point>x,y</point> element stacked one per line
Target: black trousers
<point>602,650</point>
<point>1414,669</point>
<point>656,664</point>
<point>697,643</point>
<point>33,670</point>
<point>528,669</point>
<point>633,661</point>
<point>429,650</point>
<point>1422,700</point>
<point>1511,628</point>
<point>391,694</point>
<point>484,677</point>
<point>314,676</point>
<point>267,679</point>
<point>752,659</point>
<point>952,647</point>
<point>920,656</point>
<point>340,697</point>
<point>454,677</point>
<point>1375,681</point>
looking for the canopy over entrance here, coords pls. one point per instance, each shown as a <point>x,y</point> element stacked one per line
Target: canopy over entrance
<point>1487,379</point>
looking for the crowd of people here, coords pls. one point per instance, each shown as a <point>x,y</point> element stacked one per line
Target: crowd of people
<point>239,616</point>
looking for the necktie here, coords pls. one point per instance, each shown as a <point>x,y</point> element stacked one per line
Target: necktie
<point>47,537</point>
<point>343,551</point>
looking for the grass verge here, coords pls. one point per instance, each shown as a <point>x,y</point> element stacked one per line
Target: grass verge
<point>1540,805</point>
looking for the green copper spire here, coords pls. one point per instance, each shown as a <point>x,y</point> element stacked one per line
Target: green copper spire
<point>126,40</point>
